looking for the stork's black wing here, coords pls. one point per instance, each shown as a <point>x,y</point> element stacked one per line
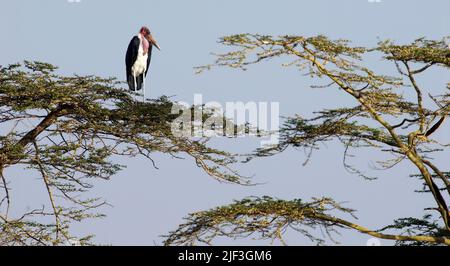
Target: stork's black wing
<point>130,58</point>
<point>149,58</point>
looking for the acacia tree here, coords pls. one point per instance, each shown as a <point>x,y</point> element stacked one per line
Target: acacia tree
<point>389,115</point>
<point>68,131</point>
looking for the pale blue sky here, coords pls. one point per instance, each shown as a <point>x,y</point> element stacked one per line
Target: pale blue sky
<point>91,37</point>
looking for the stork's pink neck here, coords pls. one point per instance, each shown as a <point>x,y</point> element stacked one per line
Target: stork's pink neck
<point>145,44</point>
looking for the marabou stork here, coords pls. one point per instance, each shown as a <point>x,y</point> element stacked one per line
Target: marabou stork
<point>138,57</point>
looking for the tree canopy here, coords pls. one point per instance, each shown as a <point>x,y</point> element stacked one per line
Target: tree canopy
<point>68,130</point>
<point>389,115</point>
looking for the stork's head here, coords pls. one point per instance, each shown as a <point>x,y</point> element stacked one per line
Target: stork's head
<point>147,35</point>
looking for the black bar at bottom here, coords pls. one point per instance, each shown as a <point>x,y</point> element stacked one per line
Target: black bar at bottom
<point>227,255</point>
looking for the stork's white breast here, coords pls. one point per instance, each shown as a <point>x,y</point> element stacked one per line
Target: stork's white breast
<point>140,66</point>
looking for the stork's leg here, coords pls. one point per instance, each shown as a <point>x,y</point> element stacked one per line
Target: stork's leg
<point>135,83</point>
<point>144,86</point>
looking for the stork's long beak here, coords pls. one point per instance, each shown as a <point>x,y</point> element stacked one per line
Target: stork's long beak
<point>153,42</point>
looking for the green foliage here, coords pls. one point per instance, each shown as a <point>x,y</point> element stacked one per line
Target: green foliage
<point>414,226</point>
<point>419,51</point>
<point>390,116</point>
<point>68,130</point>
<point>262,218</point>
